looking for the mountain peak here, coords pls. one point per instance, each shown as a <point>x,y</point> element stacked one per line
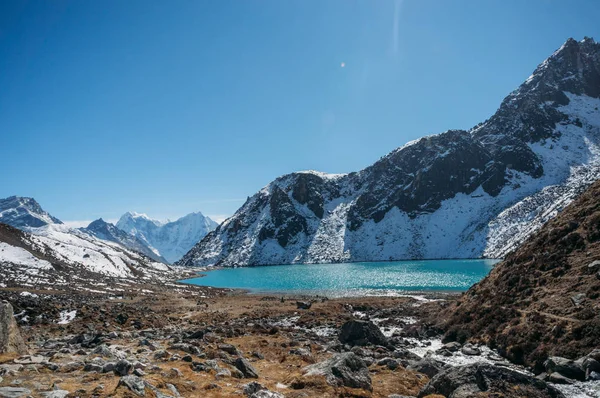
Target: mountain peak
<point>24,212</point>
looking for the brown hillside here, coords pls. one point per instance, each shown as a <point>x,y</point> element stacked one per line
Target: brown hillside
<point>544,298</point>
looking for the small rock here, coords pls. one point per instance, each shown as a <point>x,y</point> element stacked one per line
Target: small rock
<point>303,305</point>
<point>228,348</point>
<point>578,299</point>
<point>471,350</point>
<point>56,394</point>
<point>139,372</point>
<point>252,388</point>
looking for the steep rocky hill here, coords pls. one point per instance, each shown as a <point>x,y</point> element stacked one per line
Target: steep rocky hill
<point>544,298</point>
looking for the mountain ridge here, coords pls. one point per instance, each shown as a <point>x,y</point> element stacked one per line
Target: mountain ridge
<point>171,239</point>
<point>441,194</point>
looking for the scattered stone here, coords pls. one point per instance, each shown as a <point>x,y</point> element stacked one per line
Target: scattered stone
<point>228,348</point>
<point>246,368</point>
<point>55,394</point>
<point>123,368</point>
<point>103,351</point>
<point>427,366</point>
<point>578,299</point>
<point>359,332</point>
<point>13,392</point>
<point>303,305</point>
<point>139,372</point>
<point>252,388</point>
<point>10,336</point>
<point>223,373</point>
<point>161,354</point>
<point>134,384</point>
<point>594,264</point>
<point>346,369</point>
<point>469,349</point>
<point>470,380</point>
<point>452,346</point>
<point>266,394</point>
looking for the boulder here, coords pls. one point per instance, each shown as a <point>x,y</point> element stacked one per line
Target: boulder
<point>473,379</point>
<point>345,369</point>
<point>246,368</point>
<point>565,367</point>
<point>14,392</point>
<point>427,366</point>
<point>360,332</point>
<point>10,336</point>
<point>123,368</point>
<point>134,384</point>
<point>469,349</point>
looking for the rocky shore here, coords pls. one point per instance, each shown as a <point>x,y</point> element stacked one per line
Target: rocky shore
<point>194,341</point>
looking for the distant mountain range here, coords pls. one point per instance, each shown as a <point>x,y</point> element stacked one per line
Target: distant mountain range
<point>102,247</point>
<point>170,240</point>
<point>458,194</point>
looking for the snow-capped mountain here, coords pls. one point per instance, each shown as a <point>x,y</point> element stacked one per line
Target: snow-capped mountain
<point>108,231</point>
<point>172,239</point>
<point>57,257</point>
<point>459,194</point>
<point>24,212</point>
<point>93,250</point>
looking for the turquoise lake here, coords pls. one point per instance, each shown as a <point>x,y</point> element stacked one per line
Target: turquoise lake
<point>352,279</point>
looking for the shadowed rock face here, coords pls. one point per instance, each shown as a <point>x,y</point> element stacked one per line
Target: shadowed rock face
<point>484,380</point>
<point>389,210</point>
<point>10,336</point>
<point>543,299</point>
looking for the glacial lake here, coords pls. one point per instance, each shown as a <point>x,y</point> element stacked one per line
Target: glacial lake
<point>352,279</point>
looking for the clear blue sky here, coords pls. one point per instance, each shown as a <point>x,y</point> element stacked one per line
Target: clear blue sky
<point>168,107</point>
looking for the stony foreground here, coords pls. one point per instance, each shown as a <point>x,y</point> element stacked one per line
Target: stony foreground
<point>198,342</point>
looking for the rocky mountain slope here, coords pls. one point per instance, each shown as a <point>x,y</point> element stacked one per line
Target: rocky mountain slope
<point>60,259</point>
<point>544,298</point>
<point>23,212</point>
<point>108,231</point>
<point>170,240</point>
<point>457,194</point>
<point>44,250</point>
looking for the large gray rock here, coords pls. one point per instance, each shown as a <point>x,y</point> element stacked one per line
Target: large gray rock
<point>134,384</point>
<point>427,366</point>
<point>470,380</point>
<point>565,367</point>
<point>360,332</point>
<point>10,336</point>
<point>246,368</point>
<point>14,392</point>
<point>346,369</point>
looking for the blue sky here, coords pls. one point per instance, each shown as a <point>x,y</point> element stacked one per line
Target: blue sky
<point>172,107</point>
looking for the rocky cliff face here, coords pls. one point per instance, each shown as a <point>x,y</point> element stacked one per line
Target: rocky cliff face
<point>457,194</point>
<point>543,299</point>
